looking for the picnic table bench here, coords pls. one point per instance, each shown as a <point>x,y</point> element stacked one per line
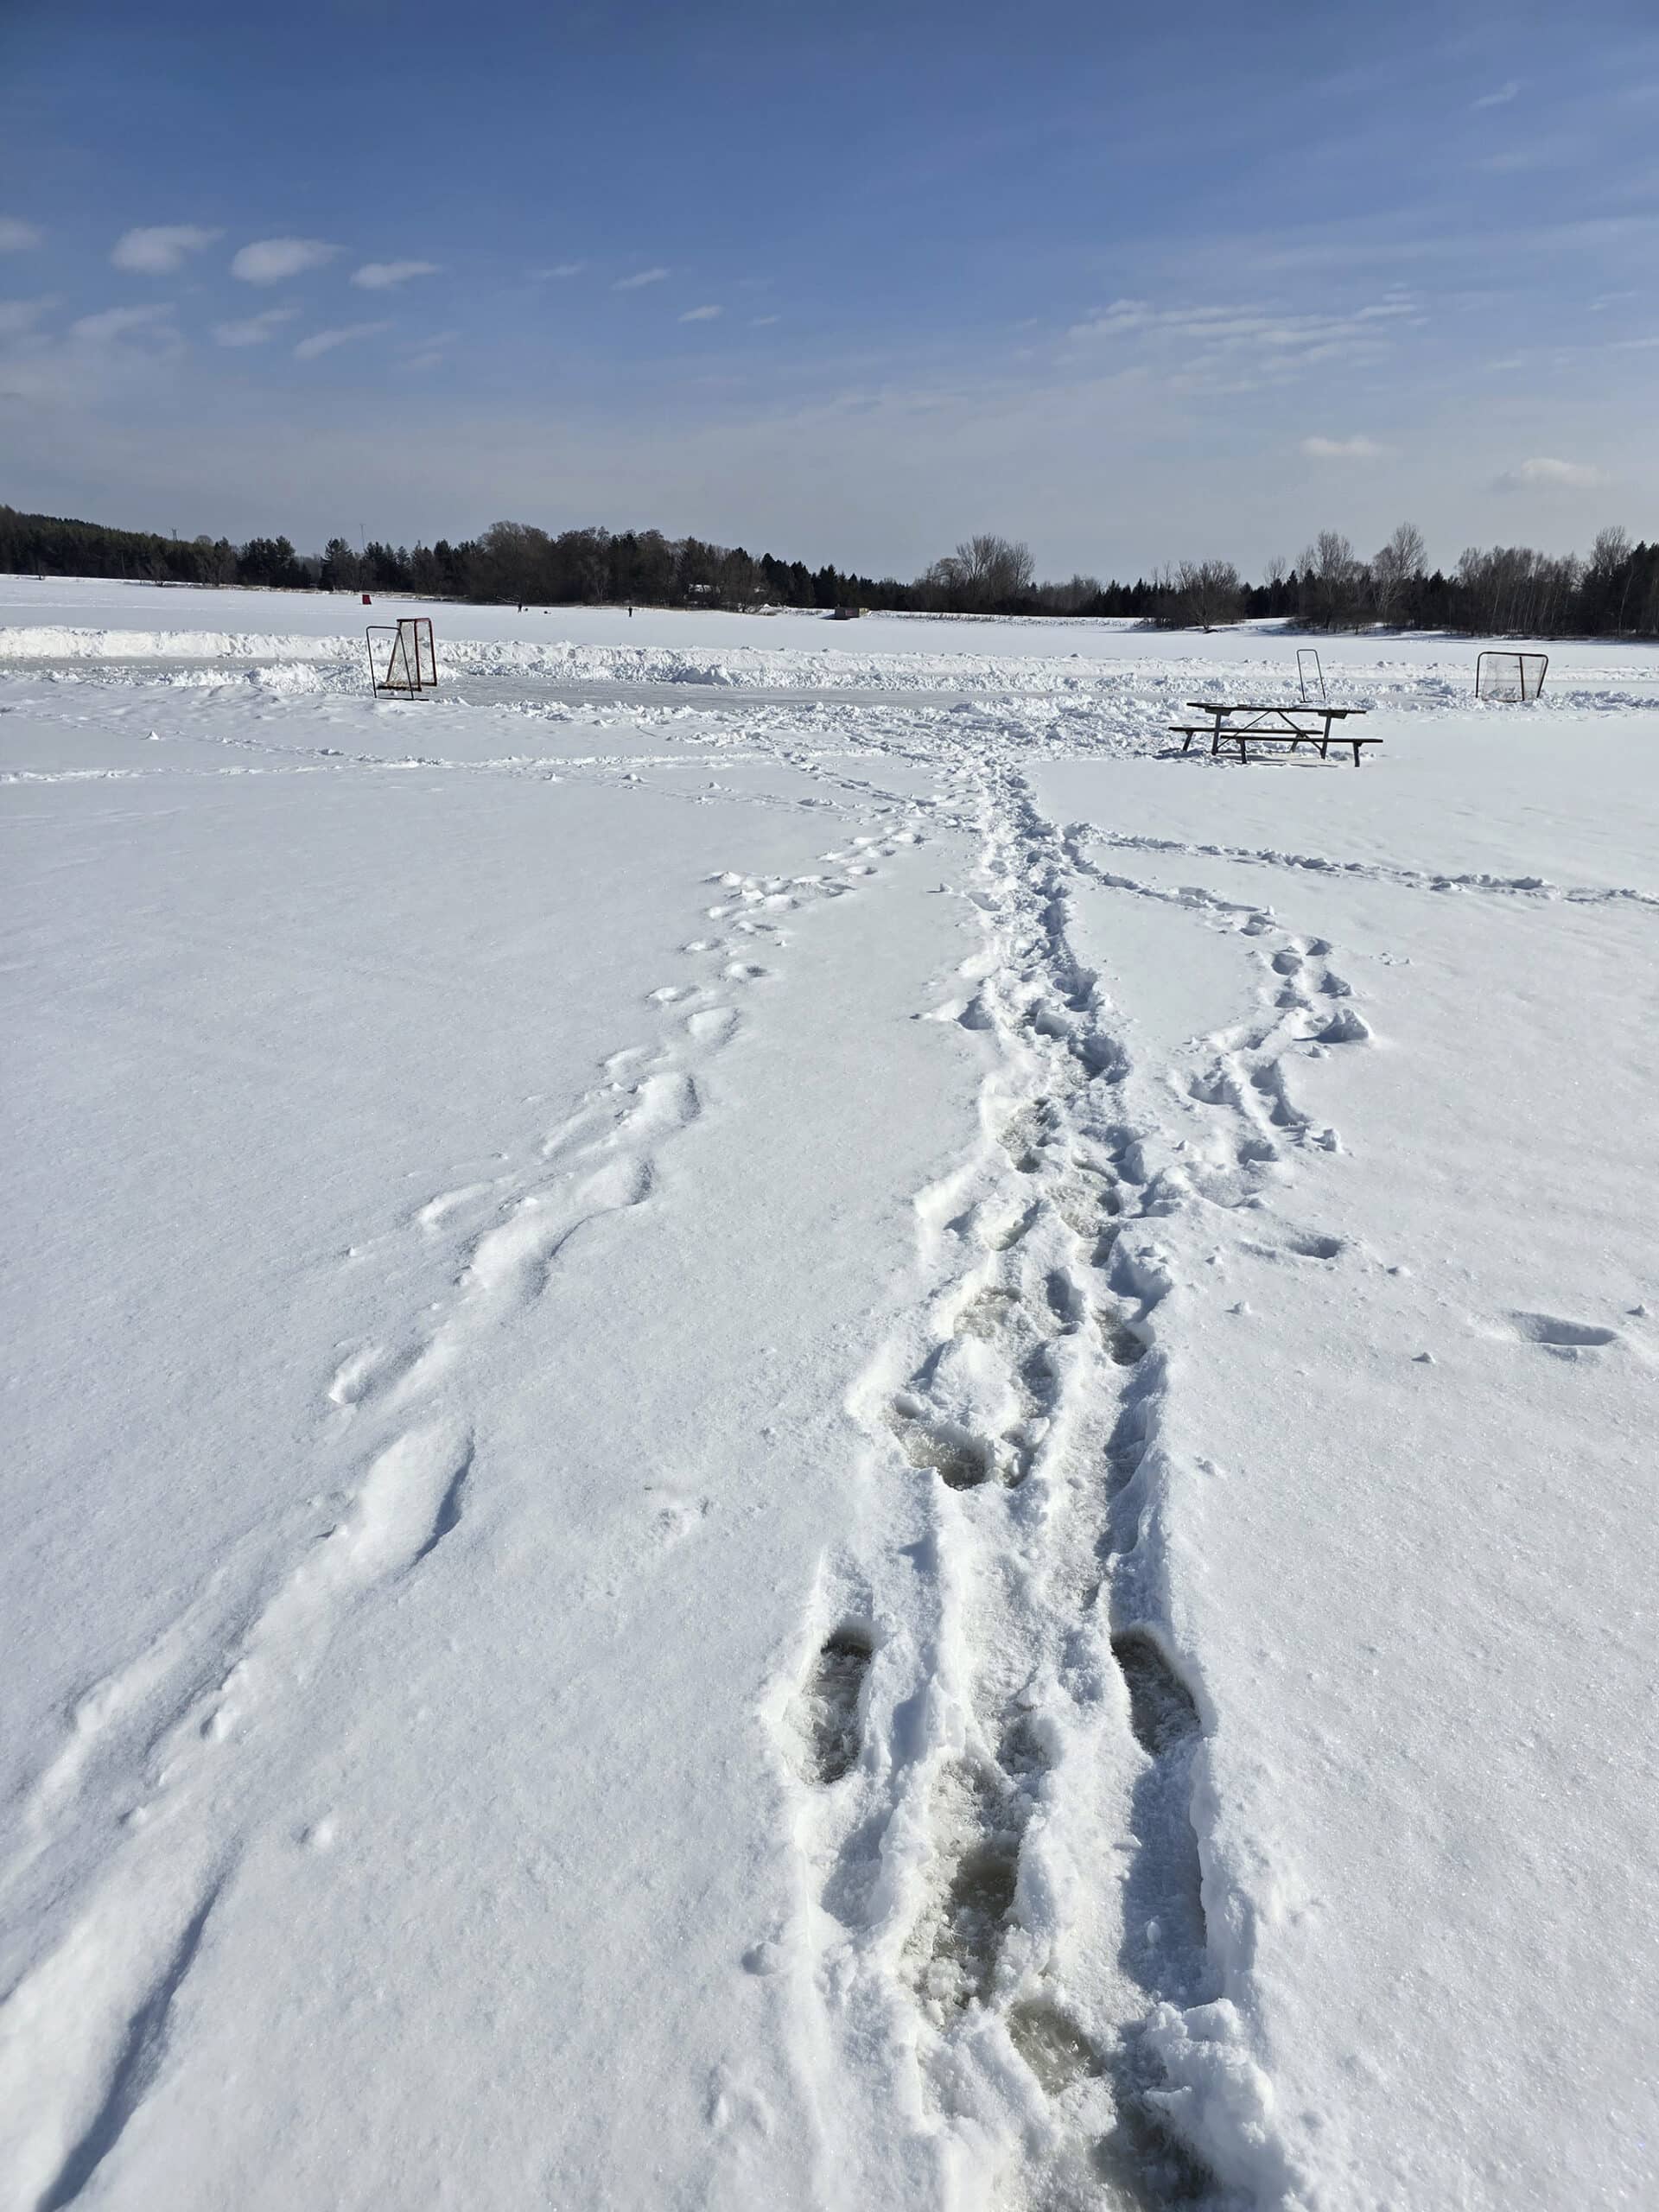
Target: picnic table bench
<point>1239,723</point>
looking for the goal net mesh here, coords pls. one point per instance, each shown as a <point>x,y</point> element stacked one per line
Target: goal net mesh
<point>1509,676</point>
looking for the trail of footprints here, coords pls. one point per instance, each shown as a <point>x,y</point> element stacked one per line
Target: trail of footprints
<point>145,1752</point>
<point>1441,881</point>
<point>1033,1413</point>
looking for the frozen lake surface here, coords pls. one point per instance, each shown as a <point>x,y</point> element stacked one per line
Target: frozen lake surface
<point>786,1427</point>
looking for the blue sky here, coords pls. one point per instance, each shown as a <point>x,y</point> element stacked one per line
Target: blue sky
<point>840,282</point>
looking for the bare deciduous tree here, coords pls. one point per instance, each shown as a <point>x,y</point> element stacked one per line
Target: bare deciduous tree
<point>1610,551</point>
<point>1206,592</point>
<point>984,571</point>
<point>1394,567</point>
<point>1331,578</point>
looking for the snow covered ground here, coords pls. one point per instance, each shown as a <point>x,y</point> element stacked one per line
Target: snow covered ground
<point>785,1429</point>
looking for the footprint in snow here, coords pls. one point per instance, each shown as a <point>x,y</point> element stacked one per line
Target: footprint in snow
<point>714,1025</point>
<point>825,1713</point>
<point>674,1514</point>
<point>437,1212</point>
<point>1566,1339</point>
<point>366,1372</point>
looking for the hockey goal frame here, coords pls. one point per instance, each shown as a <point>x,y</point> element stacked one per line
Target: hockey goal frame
<point>1515,678</point>
<point>411,661</point>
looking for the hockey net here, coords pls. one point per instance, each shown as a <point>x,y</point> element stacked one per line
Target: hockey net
<point>406,663</point>
<point>1510,676</point>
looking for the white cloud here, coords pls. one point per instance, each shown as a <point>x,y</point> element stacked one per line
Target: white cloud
<point>1240,326</point>
<point>116,322</point>
<point>1342,449</point>
<point>559,269</point>
<point>1249,347</point>
<point>381,276</point>
<point>702,315</point>
<point>115,351</point>
<point>324,342</point>
<point>160,250</point>
<point>1501,98</point>
<point>761,321</point>
<point>428,352</point>
<point>16,236</point>
<point>1547,474</point>
<point>256,329</point>
<point>19,315</point>
<point>640,276</point>
<point>268,261</point>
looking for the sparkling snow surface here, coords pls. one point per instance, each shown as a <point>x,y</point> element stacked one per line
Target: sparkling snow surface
<point>786,1429</point>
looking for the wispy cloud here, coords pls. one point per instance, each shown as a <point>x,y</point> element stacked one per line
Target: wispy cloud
<point>1256,342</point>
<point>121,349</point>
<point>19,315</point>
<point>162,249</point>
<point>117,322</point>
<point>762,322</point>
<point>640,276</point>
<point>1501,98</point>
<point>381,276</point>
<point>1547,475</point>
<point>428,352</point>
<point>1531,157</point>
<point>256,329</point>
<point>324,342</point>
<point>702,315</point>
<point>1343,448</point>
<point>272,260</point>
<point>1347,254</point>
<point>559,269</point>
<point>18,236</point>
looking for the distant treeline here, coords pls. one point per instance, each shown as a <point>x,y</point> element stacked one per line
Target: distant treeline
<point>1505,589</point>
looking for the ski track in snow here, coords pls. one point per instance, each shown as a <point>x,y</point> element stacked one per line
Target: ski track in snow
<point>153,1750</point>
<point>962,1701</point>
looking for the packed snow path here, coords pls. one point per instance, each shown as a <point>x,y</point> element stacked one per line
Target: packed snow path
<point>849,1450</point>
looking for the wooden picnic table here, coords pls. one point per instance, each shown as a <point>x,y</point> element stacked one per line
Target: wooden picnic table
<point>1243,722</point>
